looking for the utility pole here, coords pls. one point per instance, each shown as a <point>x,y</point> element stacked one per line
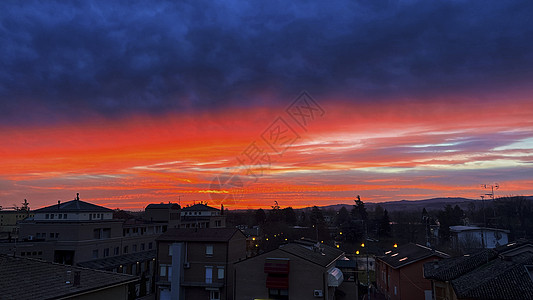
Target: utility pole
<point>484,221</point>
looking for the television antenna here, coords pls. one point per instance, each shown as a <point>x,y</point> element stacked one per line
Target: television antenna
<point>492,187</point>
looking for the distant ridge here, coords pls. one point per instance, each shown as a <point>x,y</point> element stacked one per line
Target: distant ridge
<point>415,205</point>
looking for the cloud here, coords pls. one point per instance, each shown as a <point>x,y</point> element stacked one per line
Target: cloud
<point>63,59</point>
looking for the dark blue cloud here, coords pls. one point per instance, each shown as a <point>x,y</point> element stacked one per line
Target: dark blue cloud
<point>114,59</point>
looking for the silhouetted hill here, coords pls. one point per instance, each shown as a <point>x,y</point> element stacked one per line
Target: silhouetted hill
<point>413,205</point>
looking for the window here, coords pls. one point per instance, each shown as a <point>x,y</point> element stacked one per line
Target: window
<point>106,233</point>
<point>51,235</point>
<point>163,270</point>
<point>106,252</point>
<point>214,295</point>
<point>220,272</point>
<point>278,294</point>
<point>218,223</point>
<point>117,249</point>
<point>51,216</point>
<point>96,233</point>
<point>134,248</point>
<point>150,245</point>
<point>47,216</point>
<point>60,216</point>
<point>125,249</point>
<point>142,247</point>
<point>208,274</point>
<point>38,235</point>
<point>209,250</point>
<point>57,235</point>
<point>95,253</point>
<point>64,216</point>
<point>169,271</point>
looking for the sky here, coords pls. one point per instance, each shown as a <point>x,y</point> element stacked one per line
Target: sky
<point>244,103</point>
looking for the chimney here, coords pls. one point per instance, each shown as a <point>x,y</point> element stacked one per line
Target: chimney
<point>221,209</point>
<point>77,196</point>
<point>58,204</point>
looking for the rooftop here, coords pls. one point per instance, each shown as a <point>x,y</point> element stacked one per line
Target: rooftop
<point>199,234</point>
<point>448,269</point>
<point>461,228</point>
<point>116,261</point>
<point>500,273</point>
<point>75,205</point>
<point>323,256</point>
<point>24,278</point>
<point>498,279</point>
<point>200,207</point>
<point>409,253</point>
<point>451,268</point>
<point>163,206</point>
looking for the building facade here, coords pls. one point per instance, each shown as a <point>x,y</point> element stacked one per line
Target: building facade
<point>202,216</point>
<point>198,263</point>
<point>400,272</point>
<point>297,270</point>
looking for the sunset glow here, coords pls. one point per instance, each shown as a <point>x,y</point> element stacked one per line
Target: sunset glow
<point>391,132</point>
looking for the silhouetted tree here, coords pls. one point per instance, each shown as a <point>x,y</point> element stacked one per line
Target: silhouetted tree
<point>449,217</point>
<point>290,215</point>
<point>359,209</point>
<point>384,224</point>
<point>343,217</point>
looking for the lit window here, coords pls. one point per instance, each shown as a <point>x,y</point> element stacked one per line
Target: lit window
<point>220,272</point>
<point>208,274</point>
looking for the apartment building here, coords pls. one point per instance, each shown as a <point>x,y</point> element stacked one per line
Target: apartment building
<point>299,270</point>
<point>81,233</point>
<point>198,263</point>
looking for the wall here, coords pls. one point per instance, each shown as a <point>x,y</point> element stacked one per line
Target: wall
<point>409,280</point>
<point>304,277</point>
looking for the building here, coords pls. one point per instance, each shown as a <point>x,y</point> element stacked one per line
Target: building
<point>202,216</point>
<point>163,213</point>
<point>501,273</point>
<point>473,237</point>
<point>299,270</point>
<point>198,263</point>
<point>80,233</point>
<point>24,278</point>
<point>9,219</point>
<point>400,272</point>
